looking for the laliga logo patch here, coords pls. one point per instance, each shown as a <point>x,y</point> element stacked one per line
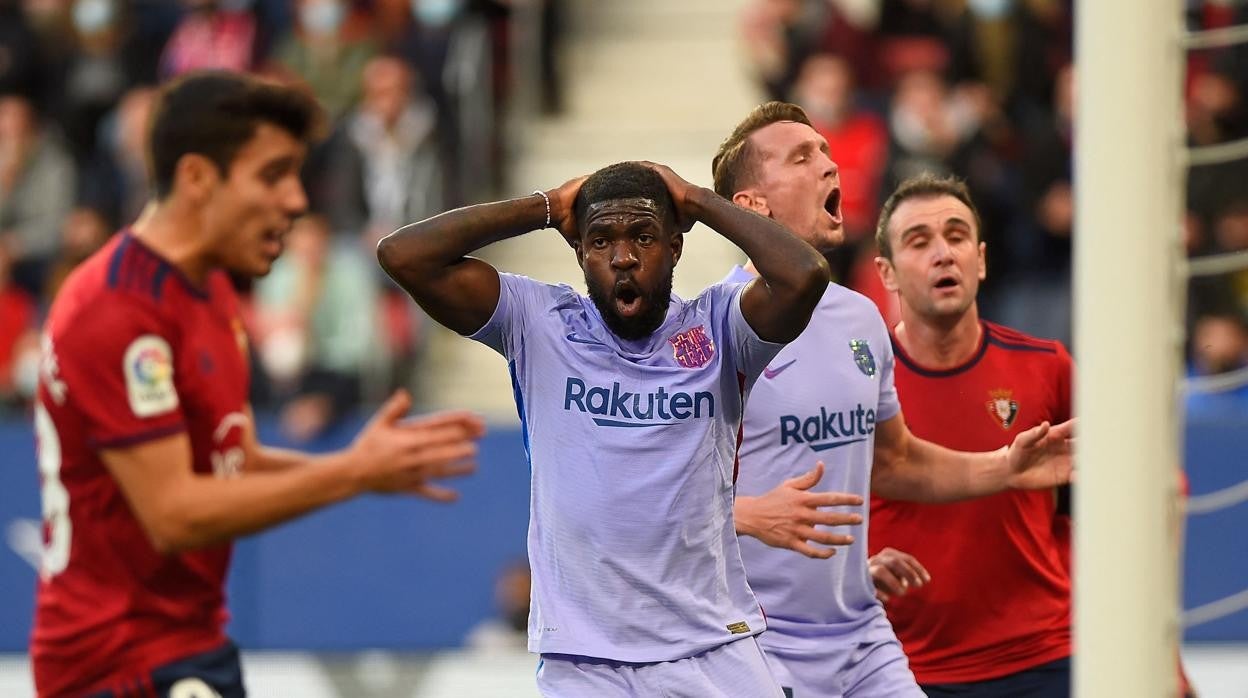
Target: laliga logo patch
<point>862,356</point>
<point>1002,407</point>
<point>148,367</point>
<point>692,349</point>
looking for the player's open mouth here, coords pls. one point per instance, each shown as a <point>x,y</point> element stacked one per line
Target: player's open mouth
<point>627,299</point>
<point>833,205</point>
<point>273,242</point>
<point>946,282</point>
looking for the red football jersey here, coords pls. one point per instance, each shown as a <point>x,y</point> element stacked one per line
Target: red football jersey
<point>999,598</point>
<point>133,351</point>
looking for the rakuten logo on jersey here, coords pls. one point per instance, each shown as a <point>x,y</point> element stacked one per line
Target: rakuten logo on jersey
<point>828,429</point>
<point>620,408</point>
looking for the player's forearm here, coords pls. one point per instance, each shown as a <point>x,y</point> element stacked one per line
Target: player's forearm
<point>204,510</point>
<point>743,516</point>
<point>426,250</point>
<point>792,269</point>
<point>927,472</point>
<point>267,459</point>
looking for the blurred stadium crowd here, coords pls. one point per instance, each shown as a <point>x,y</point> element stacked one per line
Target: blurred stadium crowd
<point>417,90</point>
<point>414,90</point>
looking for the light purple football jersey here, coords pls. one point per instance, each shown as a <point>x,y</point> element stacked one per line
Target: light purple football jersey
<point>632,453</point>
<point>819,399</point>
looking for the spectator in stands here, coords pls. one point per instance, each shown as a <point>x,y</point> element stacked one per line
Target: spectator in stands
<point>18,325</point>
<point>315,327</point>
<point>1219,345</point>
<point>35,191</point>
<point>107,58</point>
<point>856,137</point>
<point>1038,247</point>
<point>925,129</point>
<point>1230,234</point>
<point>19,69</point>
<point>212,35</point>
<point>385,168</point>
<point>84,231</point>
<point>450,45</point>
<point>508,630</point>
<point>115,181</point>
<point>327,49</point>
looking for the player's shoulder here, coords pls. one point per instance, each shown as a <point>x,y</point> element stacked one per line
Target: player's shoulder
<point>1010,339</point>
<point>839,296</point>
<point>850,311</point>
<point>121,285</point>
<point>539,291</point>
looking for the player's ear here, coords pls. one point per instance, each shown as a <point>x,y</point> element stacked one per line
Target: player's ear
<point>983,261</point>
<point>888,274</point>
<point>194,177</point>
<point>751,199</point>
<point>677,244</point>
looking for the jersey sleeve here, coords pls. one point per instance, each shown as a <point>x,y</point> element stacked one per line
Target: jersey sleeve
<point>1064,410</point>
<point>117,364</point>
<point>889,406</point>
<point>751,353</point>
<point>519,299</point>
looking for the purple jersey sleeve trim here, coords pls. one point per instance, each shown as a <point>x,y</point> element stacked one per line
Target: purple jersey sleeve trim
<point>141,437</point>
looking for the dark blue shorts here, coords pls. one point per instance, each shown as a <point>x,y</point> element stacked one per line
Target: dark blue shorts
<point>1050,680</point>
<point>213,674</point>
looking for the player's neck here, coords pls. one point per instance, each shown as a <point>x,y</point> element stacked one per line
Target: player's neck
<point>937,345</point>
<point>174,233</point>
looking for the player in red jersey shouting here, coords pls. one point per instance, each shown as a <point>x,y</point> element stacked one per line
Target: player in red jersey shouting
<point>147,452</point>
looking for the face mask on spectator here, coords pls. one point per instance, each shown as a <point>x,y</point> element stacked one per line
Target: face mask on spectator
<point>235,5</point>
<point>92,16</point>
<point>322,16</point>
<point>990,9</point>
<point>435,13</point>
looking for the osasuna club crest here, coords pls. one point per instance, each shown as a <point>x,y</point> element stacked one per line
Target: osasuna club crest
<point>1002,407</point>
<point>862,356</point>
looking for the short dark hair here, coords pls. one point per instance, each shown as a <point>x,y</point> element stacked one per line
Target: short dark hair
<point>735,164</point>
<point>924,186</point>
<point>214,113</point>
<point>624,180</point>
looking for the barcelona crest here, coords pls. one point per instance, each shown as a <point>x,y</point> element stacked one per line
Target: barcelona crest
<point>692,349</point>
<point>1002,407</point>
<point>862,356</point>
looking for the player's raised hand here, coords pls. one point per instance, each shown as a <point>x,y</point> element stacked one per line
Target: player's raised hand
<point>1041,458</point>
<point>895,573</point>
<point>563,209</point>
<point>681,191</point>
<point>401,455</point>
<point>786,516</point>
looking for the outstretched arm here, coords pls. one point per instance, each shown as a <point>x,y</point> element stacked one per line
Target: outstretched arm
<point>180,509</point>
<point>792,275</point>
<point>910,469</point>
<point>429,259</point>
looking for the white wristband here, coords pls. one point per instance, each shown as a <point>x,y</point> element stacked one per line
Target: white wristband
<point>545,198</point>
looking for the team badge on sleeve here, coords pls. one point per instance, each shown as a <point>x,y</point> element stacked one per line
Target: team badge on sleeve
<point>862,356</point>
<point>148,367</point>
<point>692,349</point>
<point>1002,407</point>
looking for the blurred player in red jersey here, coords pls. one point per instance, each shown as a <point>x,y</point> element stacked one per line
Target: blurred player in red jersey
<point>147,453</point>
<point>980,597</point>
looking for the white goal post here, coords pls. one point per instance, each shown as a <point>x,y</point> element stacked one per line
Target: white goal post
<point>1129,295</point>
